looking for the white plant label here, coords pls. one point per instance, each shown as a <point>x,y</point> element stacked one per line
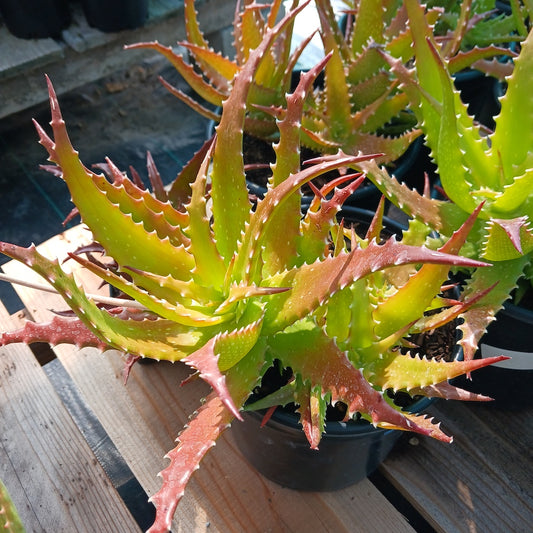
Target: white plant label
<point>518,361</point>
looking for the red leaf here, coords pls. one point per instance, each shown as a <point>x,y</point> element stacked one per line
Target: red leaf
<point>205,360</point>
<point>59,330</point>
<point>194,442</point>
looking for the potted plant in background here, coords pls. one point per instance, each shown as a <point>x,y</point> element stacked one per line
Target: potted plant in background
<point>478,169</point>
<point>35,19</point>
<point>211,75</point>
<point>357,106</point>
<point>232,289</point>
<point>326,116</point>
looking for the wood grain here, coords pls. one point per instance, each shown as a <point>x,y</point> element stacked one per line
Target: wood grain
<point>52,475</point>
<point>481,482</point>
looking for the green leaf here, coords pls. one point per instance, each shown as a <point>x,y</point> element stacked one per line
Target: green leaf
<point>514,197</point>
<point>368,24</point>
<point>198,83</point>
<point>180,191</point>
<point>232,346</point>
<point>335,273</point>
<point>469,58</point>
<point>248,261</point>
<point>410,301</point>
<point>110,212</point>
<point>146,336</point>
<point>508,239</point>
<point>188,315</point>
<point>456,144</point>
<point>312,409</point>
<point>512,140</point>
<point>283,229</point>
<point>209,269</point>
<point>404,372</point>
<point>336,93</point>
<point>231,207</point>
<point>503,277</point>
<point>218,68</point>
<point>9,519</point>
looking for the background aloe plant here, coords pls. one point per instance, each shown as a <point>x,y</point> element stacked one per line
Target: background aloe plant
<point>481,22</point>
<point>491,172</point>
<point>359,108</point>
<point>228,290</point>
<point>211,75</point>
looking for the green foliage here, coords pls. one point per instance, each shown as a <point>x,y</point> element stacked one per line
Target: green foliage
<point>229,287</point>
<point>491,172</point>
<point>359,107</point>
<point>480,23</point>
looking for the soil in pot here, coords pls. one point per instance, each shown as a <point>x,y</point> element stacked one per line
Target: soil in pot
<point>258,155</point>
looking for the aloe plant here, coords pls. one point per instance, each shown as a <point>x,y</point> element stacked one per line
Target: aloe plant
<point>347,113</point>
<point>359,108</point>
<point>211,75</point>
<point>490,172</point>
<point>230,289</point>
<point>480,22</point>
<point>362,107</point>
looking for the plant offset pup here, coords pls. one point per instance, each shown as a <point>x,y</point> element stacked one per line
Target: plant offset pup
<point>230,290</point>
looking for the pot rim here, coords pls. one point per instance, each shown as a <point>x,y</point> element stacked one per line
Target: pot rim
<point>518,312</point>
<point>340,429</point>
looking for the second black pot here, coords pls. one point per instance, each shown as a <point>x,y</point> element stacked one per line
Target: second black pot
<point>115,15</point>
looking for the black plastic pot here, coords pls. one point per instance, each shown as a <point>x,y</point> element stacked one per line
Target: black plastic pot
<point>509,383</point>
<point>35,19</point>
<point>348,451</point>
<point>115,15</point>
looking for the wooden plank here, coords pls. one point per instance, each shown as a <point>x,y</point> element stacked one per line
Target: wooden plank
<point>52,475</point>
<point>144,417</point>
<point>483,481</point>
<point>19,55</point>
